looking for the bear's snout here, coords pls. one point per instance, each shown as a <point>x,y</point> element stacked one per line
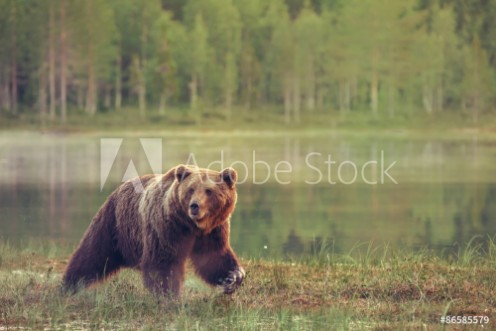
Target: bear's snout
<point>194,208</point>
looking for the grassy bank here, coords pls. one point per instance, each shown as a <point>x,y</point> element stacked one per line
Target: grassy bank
<point>381,289</point>
<point>264,118</point>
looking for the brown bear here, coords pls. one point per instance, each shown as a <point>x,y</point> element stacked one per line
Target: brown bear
<point>154,224</point>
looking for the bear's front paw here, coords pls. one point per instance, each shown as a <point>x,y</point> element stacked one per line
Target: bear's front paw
<point>233,280</point>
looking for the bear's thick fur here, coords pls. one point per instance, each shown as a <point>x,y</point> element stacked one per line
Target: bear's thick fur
<point>154,224</point>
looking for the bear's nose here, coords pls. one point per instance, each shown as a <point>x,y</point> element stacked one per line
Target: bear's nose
<point>195,208</point>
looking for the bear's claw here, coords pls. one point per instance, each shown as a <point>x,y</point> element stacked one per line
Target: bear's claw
<point>233,280</point>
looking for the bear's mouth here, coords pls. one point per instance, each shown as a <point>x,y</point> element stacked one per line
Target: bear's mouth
<point>197,218</point>
<point>201,221</point>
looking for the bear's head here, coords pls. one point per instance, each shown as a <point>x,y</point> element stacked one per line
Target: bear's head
<point>208,197</point>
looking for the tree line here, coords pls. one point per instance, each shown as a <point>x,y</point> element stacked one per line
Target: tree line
<point>296,56</point>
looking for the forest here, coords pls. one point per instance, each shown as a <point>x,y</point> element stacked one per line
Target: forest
<point>294,58</point>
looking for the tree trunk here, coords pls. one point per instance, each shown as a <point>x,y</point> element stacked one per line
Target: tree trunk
<point>353,90</point>
<point>6,90</point>
<point>342,96</point>
<point>107,98</point>
<point>141,71</point>
<point>141,91</point>
<point>14,83</point>
<point>118,80</point>
<point>229,84</point>
<point>320,98</point>
<point>296,99</point>
<point>347,95</point>
<point>374,92</point>
<point>228,104</point>
<point>42,95</point>
<point>163,102</point>
<point>1,89</point>
<point>391,100</point>
<point>63,63</point>
<point>51,61</point>
<point>287,100</point>
<point>91,90</point>
<point>311,101</point>
<point>310,95</point>
<point>249,92</point>
<point>193,99</point>
<point>80,95</point>
<point>193,87</point>
<point>427,99</point>
<point>247,68</point>
<point>475,108</point>
<point>440,99</point>
<point>13,69</point>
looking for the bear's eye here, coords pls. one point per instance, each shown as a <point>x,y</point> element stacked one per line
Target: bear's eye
<point>191,191</point>
<point>208,192</point>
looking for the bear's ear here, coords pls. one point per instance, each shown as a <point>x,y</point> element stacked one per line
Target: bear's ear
<point>229,176</point>
<point>182,172</point>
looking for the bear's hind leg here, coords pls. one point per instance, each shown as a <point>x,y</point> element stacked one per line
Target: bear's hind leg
<point>84,270</point>
<point>97,257</point>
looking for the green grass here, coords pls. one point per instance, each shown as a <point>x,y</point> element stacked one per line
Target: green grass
<point>263,118</point>
<point>379,289</point>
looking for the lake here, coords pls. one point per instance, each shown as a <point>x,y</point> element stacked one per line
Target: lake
<point>297,191</point>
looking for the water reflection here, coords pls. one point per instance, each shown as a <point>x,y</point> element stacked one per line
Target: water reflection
<point>49,188</point>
